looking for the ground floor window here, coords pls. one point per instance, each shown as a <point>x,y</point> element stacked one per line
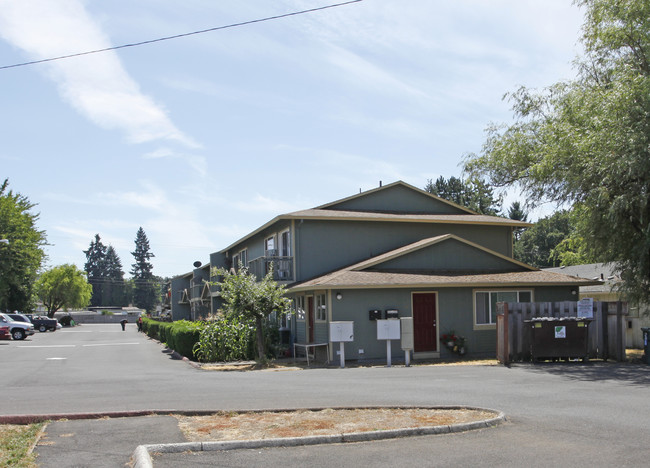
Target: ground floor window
<point>299,305</point>
<point>485,303</point>
<point>321,307</point>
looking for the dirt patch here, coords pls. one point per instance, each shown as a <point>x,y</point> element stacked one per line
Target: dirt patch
<point>270,425</point>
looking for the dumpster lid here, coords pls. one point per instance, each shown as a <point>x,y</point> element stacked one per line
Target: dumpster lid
<point>559,319</point>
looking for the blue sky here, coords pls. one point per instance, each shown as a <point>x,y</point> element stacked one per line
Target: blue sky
<point>202,139</point>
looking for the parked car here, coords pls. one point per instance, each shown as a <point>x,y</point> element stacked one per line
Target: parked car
<point>18,330</point>
<point>5,334</point>
<point>42,323</point>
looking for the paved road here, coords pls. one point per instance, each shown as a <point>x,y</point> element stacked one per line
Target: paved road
<point>578,415</point>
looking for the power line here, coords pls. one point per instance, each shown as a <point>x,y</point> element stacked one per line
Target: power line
<point>202,31</point>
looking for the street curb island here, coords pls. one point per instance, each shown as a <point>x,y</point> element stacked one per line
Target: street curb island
<point>141,457</point>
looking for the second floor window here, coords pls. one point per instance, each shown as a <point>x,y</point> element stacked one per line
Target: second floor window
<point>269,247</point>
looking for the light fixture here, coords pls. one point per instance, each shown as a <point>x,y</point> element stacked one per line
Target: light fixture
<point>339,296</point>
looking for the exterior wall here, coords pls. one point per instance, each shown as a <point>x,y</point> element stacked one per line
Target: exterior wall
<point>324,246</point>
<point>455,313</point>
<point>180,311</point>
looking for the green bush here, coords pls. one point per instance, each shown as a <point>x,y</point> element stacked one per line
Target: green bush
<point>181,336</point>
<point>225,340</point>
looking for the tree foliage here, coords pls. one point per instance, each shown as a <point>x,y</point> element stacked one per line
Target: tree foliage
<point>22,256</point>
<point>63,286</point>
<point>586,142</point>
<point>535,245</point>
<point>144,294</point>
<point>252,300</point>
<point>474,194</point>
<point>104,269</point>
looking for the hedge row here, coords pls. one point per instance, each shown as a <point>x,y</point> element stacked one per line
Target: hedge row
<point>181,336</point>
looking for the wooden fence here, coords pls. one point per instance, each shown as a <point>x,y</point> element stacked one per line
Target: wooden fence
<point>605,338</point>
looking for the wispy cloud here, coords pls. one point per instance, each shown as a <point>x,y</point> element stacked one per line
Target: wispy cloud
<point>199,164</point>
<point>97,86</point>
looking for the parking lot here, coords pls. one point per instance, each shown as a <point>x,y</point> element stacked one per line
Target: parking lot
<point>558,414</point>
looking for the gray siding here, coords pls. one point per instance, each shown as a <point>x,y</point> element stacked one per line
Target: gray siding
<point>450,255</point>
<point>327,246</point>
<point>398,199</point>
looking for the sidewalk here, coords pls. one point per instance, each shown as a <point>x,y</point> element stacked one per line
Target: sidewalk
<point>102,443</point>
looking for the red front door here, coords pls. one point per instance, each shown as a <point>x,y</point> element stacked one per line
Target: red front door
<point>424,322</point>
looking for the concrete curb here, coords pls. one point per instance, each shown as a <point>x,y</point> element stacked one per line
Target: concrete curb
<point>141,457</point>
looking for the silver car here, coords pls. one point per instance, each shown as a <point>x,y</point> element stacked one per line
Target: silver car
<point>18,330</point>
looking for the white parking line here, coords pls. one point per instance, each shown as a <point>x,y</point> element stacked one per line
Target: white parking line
<point>47,346</point>
<point>109,344</point>
<point>56,359</point>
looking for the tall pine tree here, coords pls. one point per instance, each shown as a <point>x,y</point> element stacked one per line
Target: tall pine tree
<point>116,292</point>
<point>95,268</point>
<point>144,295</point>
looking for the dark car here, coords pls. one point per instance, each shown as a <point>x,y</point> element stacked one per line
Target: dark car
<point>42,323</point>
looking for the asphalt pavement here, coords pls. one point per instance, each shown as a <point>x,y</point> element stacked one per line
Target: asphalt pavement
<point>567,414</point>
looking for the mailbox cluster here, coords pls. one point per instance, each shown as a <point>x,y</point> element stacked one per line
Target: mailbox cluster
<point>387,329</point>
<point>376,314</point>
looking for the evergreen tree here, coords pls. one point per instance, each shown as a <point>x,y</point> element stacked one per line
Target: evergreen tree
<point>517,213</point>
<point>473,194</point>
<point>115,292</point>
<point>145,291</point>
<point>96,270</point>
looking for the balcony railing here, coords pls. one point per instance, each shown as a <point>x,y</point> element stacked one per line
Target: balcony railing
<point>282,268</point>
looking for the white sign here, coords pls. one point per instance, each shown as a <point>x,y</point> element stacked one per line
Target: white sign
<point>560,332</point>
<point>586,308</point>
<point>341,332</point>
<point>388,329</point>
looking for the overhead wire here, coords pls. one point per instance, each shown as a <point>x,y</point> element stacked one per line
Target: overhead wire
<point>177,36</point>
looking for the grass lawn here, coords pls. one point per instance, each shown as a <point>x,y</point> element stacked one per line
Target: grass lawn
<point>16,444</point>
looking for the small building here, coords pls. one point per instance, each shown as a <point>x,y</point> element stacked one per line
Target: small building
<point>394,250</point>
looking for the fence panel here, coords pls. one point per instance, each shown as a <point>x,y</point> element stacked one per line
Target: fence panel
<point>606,334</point>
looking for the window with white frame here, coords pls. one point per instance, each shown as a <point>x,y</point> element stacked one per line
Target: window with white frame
<point>299,305</point>
<point>485,303</point>
<point>321,307</point>
<point>243,257</point>
<point>269,247</point>
<point>285,243</point>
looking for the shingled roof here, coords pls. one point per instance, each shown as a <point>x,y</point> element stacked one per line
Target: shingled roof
<point>365,274</point>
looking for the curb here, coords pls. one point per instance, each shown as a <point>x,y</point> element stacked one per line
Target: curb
<point>141,457</point>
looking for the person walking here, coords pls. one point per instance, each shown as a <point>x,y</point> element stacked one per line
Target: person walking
<point>140,323</point>
<point>123,323</point>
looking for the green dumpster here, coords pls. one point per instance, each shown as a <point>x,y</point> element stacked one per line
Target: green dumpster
<point>559,338</point>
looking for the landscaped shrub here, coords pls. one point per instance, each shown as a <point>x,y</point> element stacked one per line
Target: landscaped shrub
<point>226,340</point>
<point>181,336</point>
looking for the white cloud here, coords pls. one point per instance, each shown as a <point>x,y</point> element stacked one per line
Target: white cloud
<point>97,85</point>
<point>199,164</point>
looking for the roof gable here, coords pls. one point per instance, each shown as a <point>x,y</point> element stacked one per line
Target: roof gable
<point>448,253</point>
<point>398,197</point>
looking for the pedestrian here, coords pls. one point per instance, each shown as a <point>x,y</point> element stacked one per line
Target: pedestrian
<point>123,323</point>
<point>140,323</point>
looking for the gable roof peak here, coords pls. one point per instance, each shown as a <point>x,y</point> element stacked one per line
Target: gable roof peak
<point>390,186</point>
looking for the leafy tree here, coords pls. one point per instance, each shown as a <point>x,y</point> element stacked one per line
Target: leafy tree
<point>473,194</point>
<point>63,286</point>
<point>586,142</point>
<point>22,255</point>
<point>95,268</point>
<point>249,299</point>
<point>536,243</point>
<point>145,295</point>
